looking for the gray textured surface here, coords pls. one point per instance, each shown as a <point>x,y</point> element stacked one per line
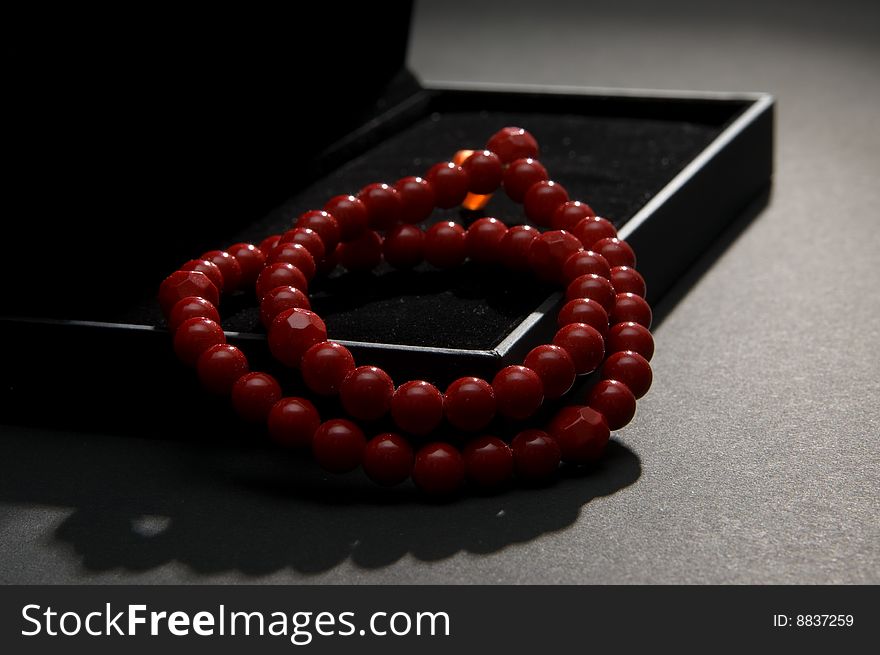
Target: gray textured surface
<point>753,459</point>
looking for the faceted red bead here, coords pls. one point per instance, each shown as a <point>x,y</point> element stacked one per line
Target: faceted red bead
<point>338,445</point>
<point>629,307</point>
<point>613,400</point>
<point>417,407</point>
<point>251,261</point>
<point>208,268</point>
<point>592,286</point>
<point>555,368</point>
<point>280,275</point>
<point>220,366</point>
<point>293,422</point>
<point>469,403</point>
<point>404,246</point>
<point>183,284</point>
<point>445,244</point>
<point>569,214</point>
<point>351,215</point>
<point>449,182</point>
<point>630,336</point>
<point>630,368</point>
<point>520,175</point>
<point>325,365</point>
<point>438,469</point>
<point>361,254</point>
<point>519,392</point>
<point>536,455</point>
<point>279,299</point>
<point>194,336</point>
<point>584,310</point>
<point>483,170</point>
<point>488,462</point>
<point>515,246</point>
<point>549,252</point>
<point>628,280</point>
<point>617,252</point>
<point>585,262</point>
<point>416,197</point>
<point>584,344</point>
<point>308,239</point>
<point>324,224</point>
<point>366,393</point>
<point>296,254</point>
<point>191,307</point>
<point>543,199</point>
<point>268,243</point>
<point>592,229</point>
<point>383,204</point>
<point>228,266</point>
<point>254,394</point>
<point>512,143</point>
<point>293,332</point>
<point>581,432</point>
<point>388,459</point>
<point>484,240</point>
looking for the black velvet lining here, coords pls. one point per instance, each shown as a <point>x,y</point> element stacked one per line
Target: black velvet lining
<point>614,164</point>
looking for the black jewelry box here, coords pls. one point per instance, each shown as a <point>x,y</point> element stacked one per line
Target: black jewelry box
<point>670,169</point>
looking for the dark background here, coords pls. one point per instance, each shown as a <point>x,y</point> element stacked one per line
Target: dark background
<point>753,459</point>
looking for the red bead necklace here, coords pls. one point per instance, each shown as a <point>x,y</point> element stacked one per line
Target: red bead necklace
<point>603,326</point>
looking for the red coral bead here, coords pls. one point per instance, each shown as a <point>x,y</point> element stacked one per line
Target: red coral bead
<point>208,268</point>
<point>338,445</point>
<point>228,266</point>
<point>469,403</point>
<point>581,432</point>
<point>383,204</point>
<point>417,407</point>
<point>253,396</point>
<point>569,214</point>
<point>592,229</point>
<point>268,243</point>
<point>438,469</point>
<point>293,422</point>
<point>450,184</point>
<point>484,240</point>
<point>536,455</point>
<point>555,368</point>
<point>404,246</point>
<point>416,197</point>
<point>592,286</point>
<point>628,280</point>
<point>183,284</point>
<point>520,175</point>
<point>194,336</point>
<point>630,336</point>
<point>293,332</point>
<point>445,244</point>
<point>629,307</point>
<point>279,299</point>
<point>325,365</point>
<point>511,143</point>
<point>308,239</point>
<point>519,392</point>
<point>361,254</point>
<point>584,344</point>
<point>630,368</point>
<point>191,307</point>
<point>549,252</point>
<point>613,400</point>
<point>220,366</point>
<point>324,224</point>
<point>280,274</point>
<point>585,262</point>
<point>584,310</point>
<point>296,254</point>
<point>350,213</point>
<point>484,172</point>
<point>488,462</point>
<point>251,261</point>
<point>366,393</point>
<point>515,246</point>
<point>617,252</point>
<point>543,199</point>
<point>388,459</point>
